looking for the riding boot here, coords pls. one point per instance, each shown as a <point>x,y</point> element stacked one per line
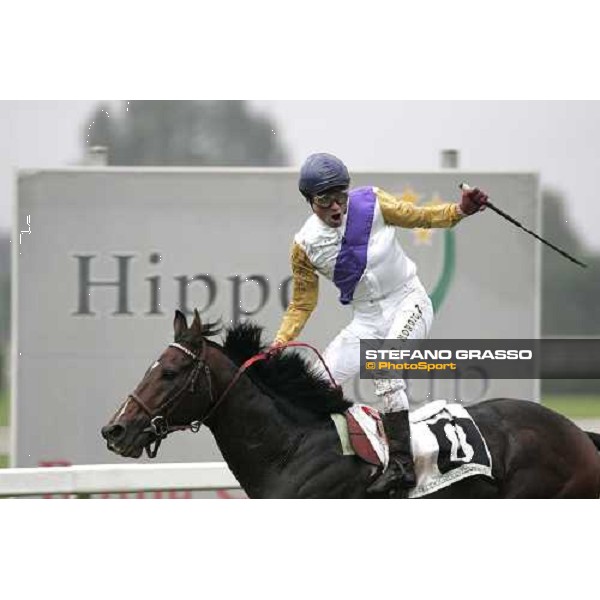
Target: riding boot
<point>400,472</point>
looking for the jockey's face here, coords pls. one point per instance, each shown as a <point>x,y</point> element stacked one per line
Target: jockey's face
<point>331,206</point>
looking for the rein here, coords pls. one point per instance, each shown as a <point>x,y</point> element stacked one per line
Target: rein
<point>264,356</point>
<point>159,425</point>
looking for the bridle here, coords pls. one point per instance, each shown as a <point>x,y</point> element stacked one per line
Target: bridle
<point>159,425</point>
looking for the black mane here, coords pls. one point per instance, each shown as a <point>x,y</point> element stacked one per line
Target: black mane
<point>287,374</point>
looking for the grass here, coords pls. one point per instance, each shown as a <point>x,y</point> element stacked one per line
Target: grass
<point>4,407</point>
<point>4,421</point>
<point>574,406</point>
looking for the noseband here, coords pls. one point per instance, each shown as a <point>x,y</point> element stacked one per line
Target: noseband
<point>159,425</point>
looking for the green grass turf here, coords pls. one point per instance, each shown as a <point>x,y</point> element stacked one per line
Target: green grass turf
<point>4,410</point>
<point>574,406</point>
<point>4,407</point>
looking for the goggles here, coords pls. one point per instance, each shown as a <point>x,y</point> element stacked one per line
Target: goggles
<point>326,199</point>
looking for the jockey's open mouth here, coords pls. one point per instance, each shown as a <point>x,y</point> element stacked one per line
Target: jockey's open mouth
<point>336,219</point>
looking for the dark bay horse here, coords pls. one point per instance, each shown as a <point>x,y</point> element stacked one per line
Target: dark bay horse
<point>273,427</point>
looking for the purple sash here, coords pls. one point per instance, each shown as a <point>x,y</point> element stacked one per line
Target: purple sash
<point>352,258</point>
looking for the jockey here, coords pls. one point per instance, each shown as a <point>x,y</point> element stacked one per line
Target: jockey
<point>350,239</point>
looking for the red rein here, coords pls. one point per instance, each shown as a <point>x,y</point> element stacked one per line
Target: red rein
<point>268,354</point>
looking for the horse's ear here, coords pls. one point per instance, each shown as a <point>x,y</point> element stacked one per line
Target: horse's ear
<point>179,323</point>
<point>196,326</point>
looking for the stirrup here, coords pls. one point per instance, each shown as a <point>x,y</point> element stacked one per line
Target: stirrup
<point>393,479</point>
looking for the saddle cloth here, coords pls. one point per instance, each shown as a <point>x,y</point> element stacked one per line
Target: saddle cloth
<point>446,443</point>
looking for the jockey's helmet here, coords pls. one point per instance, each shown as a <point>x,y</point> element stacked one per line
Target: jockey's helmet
<point>321,172</point>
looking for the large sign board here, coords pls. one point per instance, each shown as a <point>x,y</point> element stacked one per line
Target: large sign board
<point>113,252</point>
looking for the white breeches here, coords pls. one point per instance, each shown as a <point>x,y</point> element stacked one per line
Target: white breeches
<point>405,314</point>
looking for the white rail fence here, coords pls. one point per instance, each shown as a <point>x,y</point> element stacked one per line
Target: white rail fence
<point>84,480</point>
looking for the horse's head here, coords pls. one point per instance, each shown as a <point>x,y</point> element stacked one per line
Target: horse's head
<point>175,393</point>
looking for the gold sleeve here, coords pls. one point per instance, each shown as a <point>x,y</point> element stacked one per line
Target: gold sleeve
<point>305,293</point>
<point>404,214</point>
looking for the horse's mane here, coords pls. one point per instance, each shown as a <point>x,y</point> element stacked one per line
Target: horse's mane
<point>287,374</point>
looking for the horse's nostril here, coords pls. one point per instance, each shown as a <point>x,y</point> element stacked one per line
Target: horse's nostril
<point>113,433</point>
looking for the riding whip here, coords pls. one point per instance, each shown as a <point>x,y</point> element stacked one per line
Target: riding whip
<point>465,187</point>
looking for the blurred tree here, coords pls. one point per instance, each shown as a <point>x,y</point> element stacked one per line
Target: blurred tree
<point>187,133</point>
<point>569,293</point>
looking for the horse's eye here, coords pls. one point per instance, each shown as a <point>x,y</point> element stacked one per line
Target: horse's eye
<point>169,374</point>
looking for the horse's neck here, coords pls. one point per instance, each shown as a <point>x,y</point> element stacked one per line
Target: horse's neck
<point>253,436</point>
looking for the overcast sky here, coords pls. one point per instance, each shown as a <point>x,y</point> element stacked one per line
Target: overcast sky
<point>560,140</point>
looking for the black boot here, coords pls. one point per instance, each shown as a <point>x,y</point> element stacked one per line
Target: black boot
<point>400,473</point>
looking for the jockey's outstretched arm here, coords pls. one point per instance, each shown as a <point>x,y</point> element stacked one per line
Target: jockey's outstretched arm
<point>405,214</point>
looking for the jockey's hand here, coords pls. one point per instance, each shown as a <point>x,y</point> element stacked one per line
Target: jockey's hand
<point>472,201</point>
<point>275,348</point>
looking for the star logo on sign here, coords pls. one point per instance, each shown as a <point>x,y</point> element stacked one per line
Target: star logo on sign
<point>421,236</point>
<point>409,195</point>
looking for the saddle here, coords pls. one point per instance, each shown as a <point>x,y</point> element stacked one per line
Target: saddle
<point>446,443</point>
<point>361,428</point>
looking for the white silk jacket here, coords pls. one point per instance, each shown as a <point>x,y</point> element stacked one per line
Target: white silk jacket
<point>317,246</point>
